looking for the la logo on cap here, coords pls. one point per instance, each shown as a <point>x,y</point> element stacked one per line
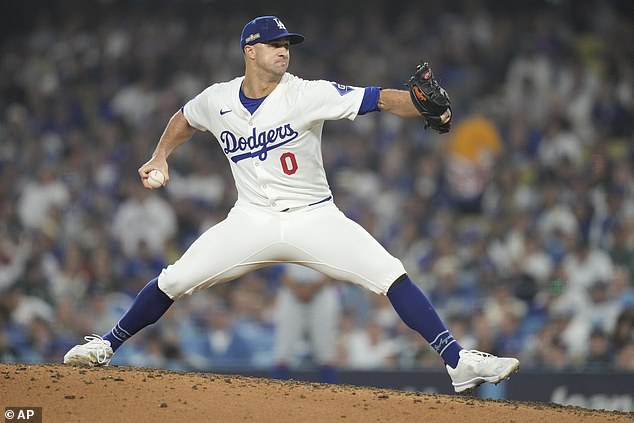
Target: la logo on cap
<point>279,23</point>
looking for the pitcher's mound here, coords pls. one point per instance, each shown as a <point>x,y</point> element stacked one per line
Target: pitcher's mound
<point>126,394</point>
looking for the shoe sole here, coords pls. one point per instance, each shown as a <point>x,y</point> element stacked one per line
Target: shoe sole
<point>82,361</point>
<point>474,383</point>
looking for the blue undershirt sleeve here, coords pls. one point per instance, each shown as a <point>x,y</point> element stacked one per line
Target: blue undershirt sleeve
<point>370,101</point>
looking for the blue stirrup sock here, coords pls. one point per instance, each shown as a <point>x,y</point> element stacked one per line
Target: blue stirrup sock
<point>414,308</point>
<point>149,305</point>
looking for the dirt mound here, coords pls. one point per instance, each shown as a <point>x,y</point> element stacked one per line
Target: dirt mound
<point>69,394</point>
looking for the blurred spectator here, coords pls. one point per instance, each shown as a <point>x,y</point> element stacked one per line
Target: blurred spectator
<point>622,286</point>
<point>560,145</point>
<point>40,196</point>
<point>556,219</point>
<point>69,279</point>
<point>144,217</point>
<point>483,333</point>
<point>597,309</point>
<point>221,344</point>
<point>535,262</point>
<point>585,264</point>
<point>308,307</point>
<point>473,148</point>
<point>251,305</point>
<point>368,348</point>
<point>621,250</point>
<point>509,337</point>
<point>24,307</point>
<point>141,265</point>
<point>450,294</point>
<point>15,250</point>
<point>625,357</point>
<point>502,306</point>
<point>527,84</point>
<point>599,355</point>
<point>159,351</point>
<point>624,329</point>
<point>547,349</point>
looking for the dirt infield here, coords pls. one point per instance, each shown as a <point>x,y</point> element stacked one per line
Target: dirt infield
<point>69,394</point>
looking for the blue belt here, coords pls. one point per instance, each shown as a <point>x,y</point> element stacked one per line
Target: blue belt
<point>311,204</point>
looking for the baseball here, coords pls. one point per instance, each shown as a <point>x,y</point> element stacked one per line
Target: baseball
<point>156,179</point>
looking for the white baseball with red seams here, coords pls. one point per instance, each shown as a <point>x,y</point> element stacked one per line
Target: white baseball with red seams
<point>284,211</point>
<point>155,178</point>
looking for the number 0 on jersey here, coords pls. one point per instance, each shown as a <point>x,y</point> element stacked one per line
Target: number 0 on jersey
<point>289,163</point>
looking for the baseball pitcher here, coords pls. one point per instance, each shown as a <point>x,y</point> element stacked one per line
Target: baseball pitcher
<point>269,125</point>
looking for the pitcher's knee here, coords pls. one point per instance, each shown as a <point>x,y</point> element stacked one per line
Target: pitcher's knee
<point>172,287</point>
<point>390,276</point>
<point>398,281</point>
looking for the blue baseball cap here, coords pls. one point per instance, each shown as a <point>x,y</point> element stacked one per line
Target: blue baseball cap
<point>264,29</point>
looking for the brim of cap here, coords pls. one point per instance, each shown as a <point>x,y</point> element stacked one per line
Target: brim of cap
<point>293,37</point>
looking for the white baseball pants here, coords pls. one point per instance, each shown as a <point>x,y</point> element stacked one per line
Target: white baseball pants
<point>320,237</point>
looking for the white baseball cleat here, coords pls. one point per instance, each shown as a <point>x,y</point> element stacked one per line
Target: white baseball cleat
<point>96,352</point>
<point>475,367</point>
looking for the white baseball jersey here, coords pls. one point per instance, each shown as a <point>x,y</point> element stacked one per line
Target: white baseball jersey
<point>275,154</point>
<point>284,212</point>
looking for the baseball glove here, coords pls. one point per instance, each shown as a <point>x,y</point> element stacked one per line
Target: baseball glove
<point>429,98</point>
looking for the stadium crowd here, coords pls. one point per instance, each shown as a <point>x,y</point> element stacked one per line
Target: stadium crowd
<point>519,224</point>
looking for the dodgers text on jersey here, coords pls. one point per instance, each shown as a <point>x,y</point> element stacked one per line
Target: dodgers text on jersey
<point>259,143</point>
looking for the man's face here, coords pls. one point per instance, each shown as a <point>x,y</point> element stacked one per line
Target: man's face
<point>273,57</point>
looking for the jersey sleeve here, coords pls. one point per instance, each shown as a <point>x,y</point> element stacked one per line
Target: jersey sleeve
<point>197,110</point>
<point>370,101</point>
<point>332,101</point>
